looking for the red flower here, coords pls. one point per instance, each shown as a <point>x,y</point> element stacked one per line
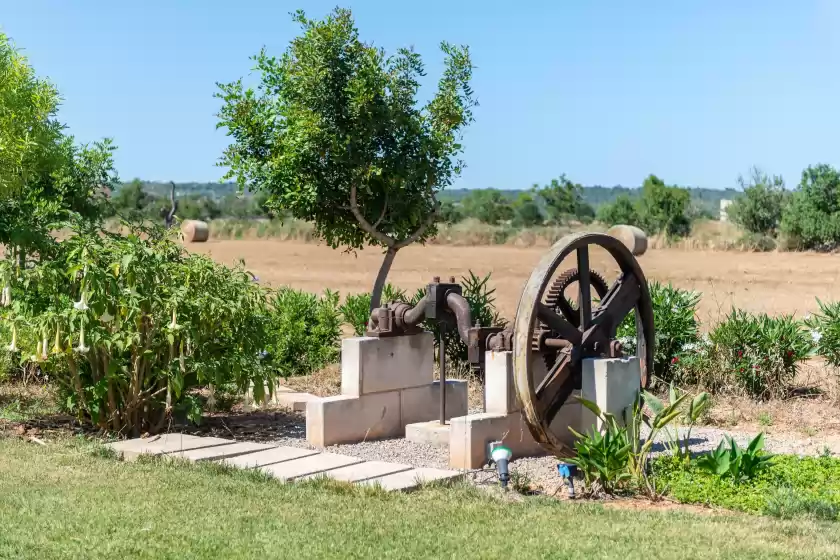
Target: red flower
<point>740,353</point>
<point>675,360</point>
<point>790,353</point>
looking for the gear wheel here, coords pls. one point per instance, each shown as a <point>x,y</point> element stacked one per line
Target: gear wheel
<point>555,299</point>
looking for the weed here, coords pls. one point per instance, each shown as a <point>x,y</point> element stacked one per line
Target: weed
<point>765,419</point>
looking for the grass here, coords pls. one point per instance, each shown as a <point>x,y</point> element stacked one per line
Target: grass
<point>69,500</point>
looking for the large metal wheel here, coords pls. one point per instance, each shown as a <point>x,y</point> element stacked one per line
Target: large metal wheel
<point>571,335</point>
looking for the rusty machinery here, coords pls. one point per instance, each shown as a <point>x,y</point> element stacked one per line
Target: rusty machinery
<point>551,333</point>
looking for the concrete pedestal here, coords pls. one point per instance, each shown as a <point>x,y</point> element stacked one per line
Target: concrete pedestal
<point>386,384</point>
<point>613,384</point>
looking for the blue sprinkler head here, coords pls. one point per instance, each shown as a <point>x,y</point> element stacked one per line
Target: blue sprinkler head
<point>567,471</point>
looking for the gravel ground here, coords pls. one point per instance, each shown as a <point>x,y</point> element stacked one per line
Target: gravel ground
<point>290,429</point>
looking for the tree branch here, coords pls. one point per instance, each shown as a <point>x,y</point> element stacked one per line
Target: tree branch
<point>371,230</point>
<point>382,215</point>
<point>430,219</point>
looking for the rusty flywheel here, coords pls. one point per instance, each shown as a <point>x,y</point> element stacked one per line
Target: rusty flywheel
<point>551,338</point>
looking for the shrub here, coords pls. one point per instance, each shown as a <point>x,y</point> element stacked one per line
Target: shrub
<point>356,307</point>
<point>812,218</point>
<point>664,209</point>
<point>825,331</point>
<point>754,354</point>
<point>620,212</point>
<point>759,209</point>
<point>150,322</point>
<point>305,330</point>
<point>489,206</point>
<point>675,323</point>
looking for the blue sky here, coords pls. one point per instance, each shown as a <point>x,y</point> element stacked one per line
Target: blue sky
<point>606,92</point>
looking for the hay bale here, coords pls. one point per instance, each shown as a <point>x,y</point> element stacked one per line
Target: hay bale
<point>632,237</point>
<point>195,231</point>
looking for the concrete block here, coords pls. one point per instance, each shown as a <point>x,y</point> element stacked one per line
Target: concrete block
<point>469,436</point>
<point>373,365</point>
<point>499,389</point>
<point>361,471</point>
<point>347,419</point>
<point>407,480</point>
<point>313,464</point>
<point>613,384</point>
<point>220,451</point>
<point>268,457</point>
<point>164,443</point>
<point>422,404</point>
<point>429,433</point>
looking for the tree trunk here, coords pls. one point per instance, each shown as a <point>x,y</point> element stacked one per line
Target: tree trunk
<point>384,268</point>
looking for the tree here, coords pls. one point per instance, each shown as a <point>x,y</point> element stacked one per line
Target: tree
<point>620,212</point>
<point>450,213</point>
<point>664,209</point>
<point>812,218</point>
<point>488,206</point>
<point>526,211</point>
<point>759,209</point>
<point>45,178</point>
<point>335,135</point>
<point>564,199</point>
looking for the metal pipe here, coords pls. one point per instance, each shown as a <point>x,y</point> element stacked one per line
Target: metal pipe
<point>442,363</point>
<point>416,314</point>
<point>461,308</point>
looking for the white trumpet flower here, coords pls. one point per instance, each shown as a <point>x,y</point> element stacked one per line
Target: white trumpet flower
<point>81,305</point>
<point>13,346</point>
<point>6,296</point>
<point>174,324</point>
<point>44,345</point>
<point>56,349</point>
<point>106,317</point>
<point>81,348</point>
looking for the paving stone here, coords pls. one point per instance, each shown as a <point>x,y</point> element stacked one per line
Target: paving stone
<point>269,457</point>
<point>220,452</point>
<point>313,464</point>
<point>407,480</point>
<point>362,471</point>
<point>165,443</point>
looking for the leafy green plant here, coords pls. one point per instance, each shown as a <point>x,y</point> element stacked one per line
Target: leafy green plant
<point>814,479</point>
<point>127,326</point>
<point>601,456</point>
<point>734,462</point>
<point>676,325</point>
<point>603,459</point>
<point>825,331</point>
<point>812,218</point>
<point>305,330</point>
<point>697,406</point>
<point>754,354</point>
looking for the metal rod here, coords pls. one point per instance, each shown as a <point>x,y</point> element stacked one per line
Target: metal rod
<point>584,288</point>
<point>442,362</point>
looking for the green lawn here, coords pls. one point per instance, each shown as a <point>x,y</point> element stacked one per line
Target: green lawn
<point>69,500</point>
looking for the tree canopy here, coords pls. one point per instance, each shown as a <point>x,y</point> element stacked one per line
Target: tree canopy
<point>335,134</point>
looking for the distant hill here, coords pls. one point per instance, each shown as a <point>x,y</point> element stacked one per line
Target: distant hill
<point>596,196</point>
<point>706,198</point>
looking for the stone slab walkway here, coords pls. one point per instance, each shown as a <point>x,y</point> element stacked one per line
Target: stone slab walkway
<point>284,463</point>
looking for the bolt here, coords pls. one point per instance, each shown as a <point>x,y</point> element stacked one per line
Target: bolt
<point>436,280</point>
<point>451,279</point>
